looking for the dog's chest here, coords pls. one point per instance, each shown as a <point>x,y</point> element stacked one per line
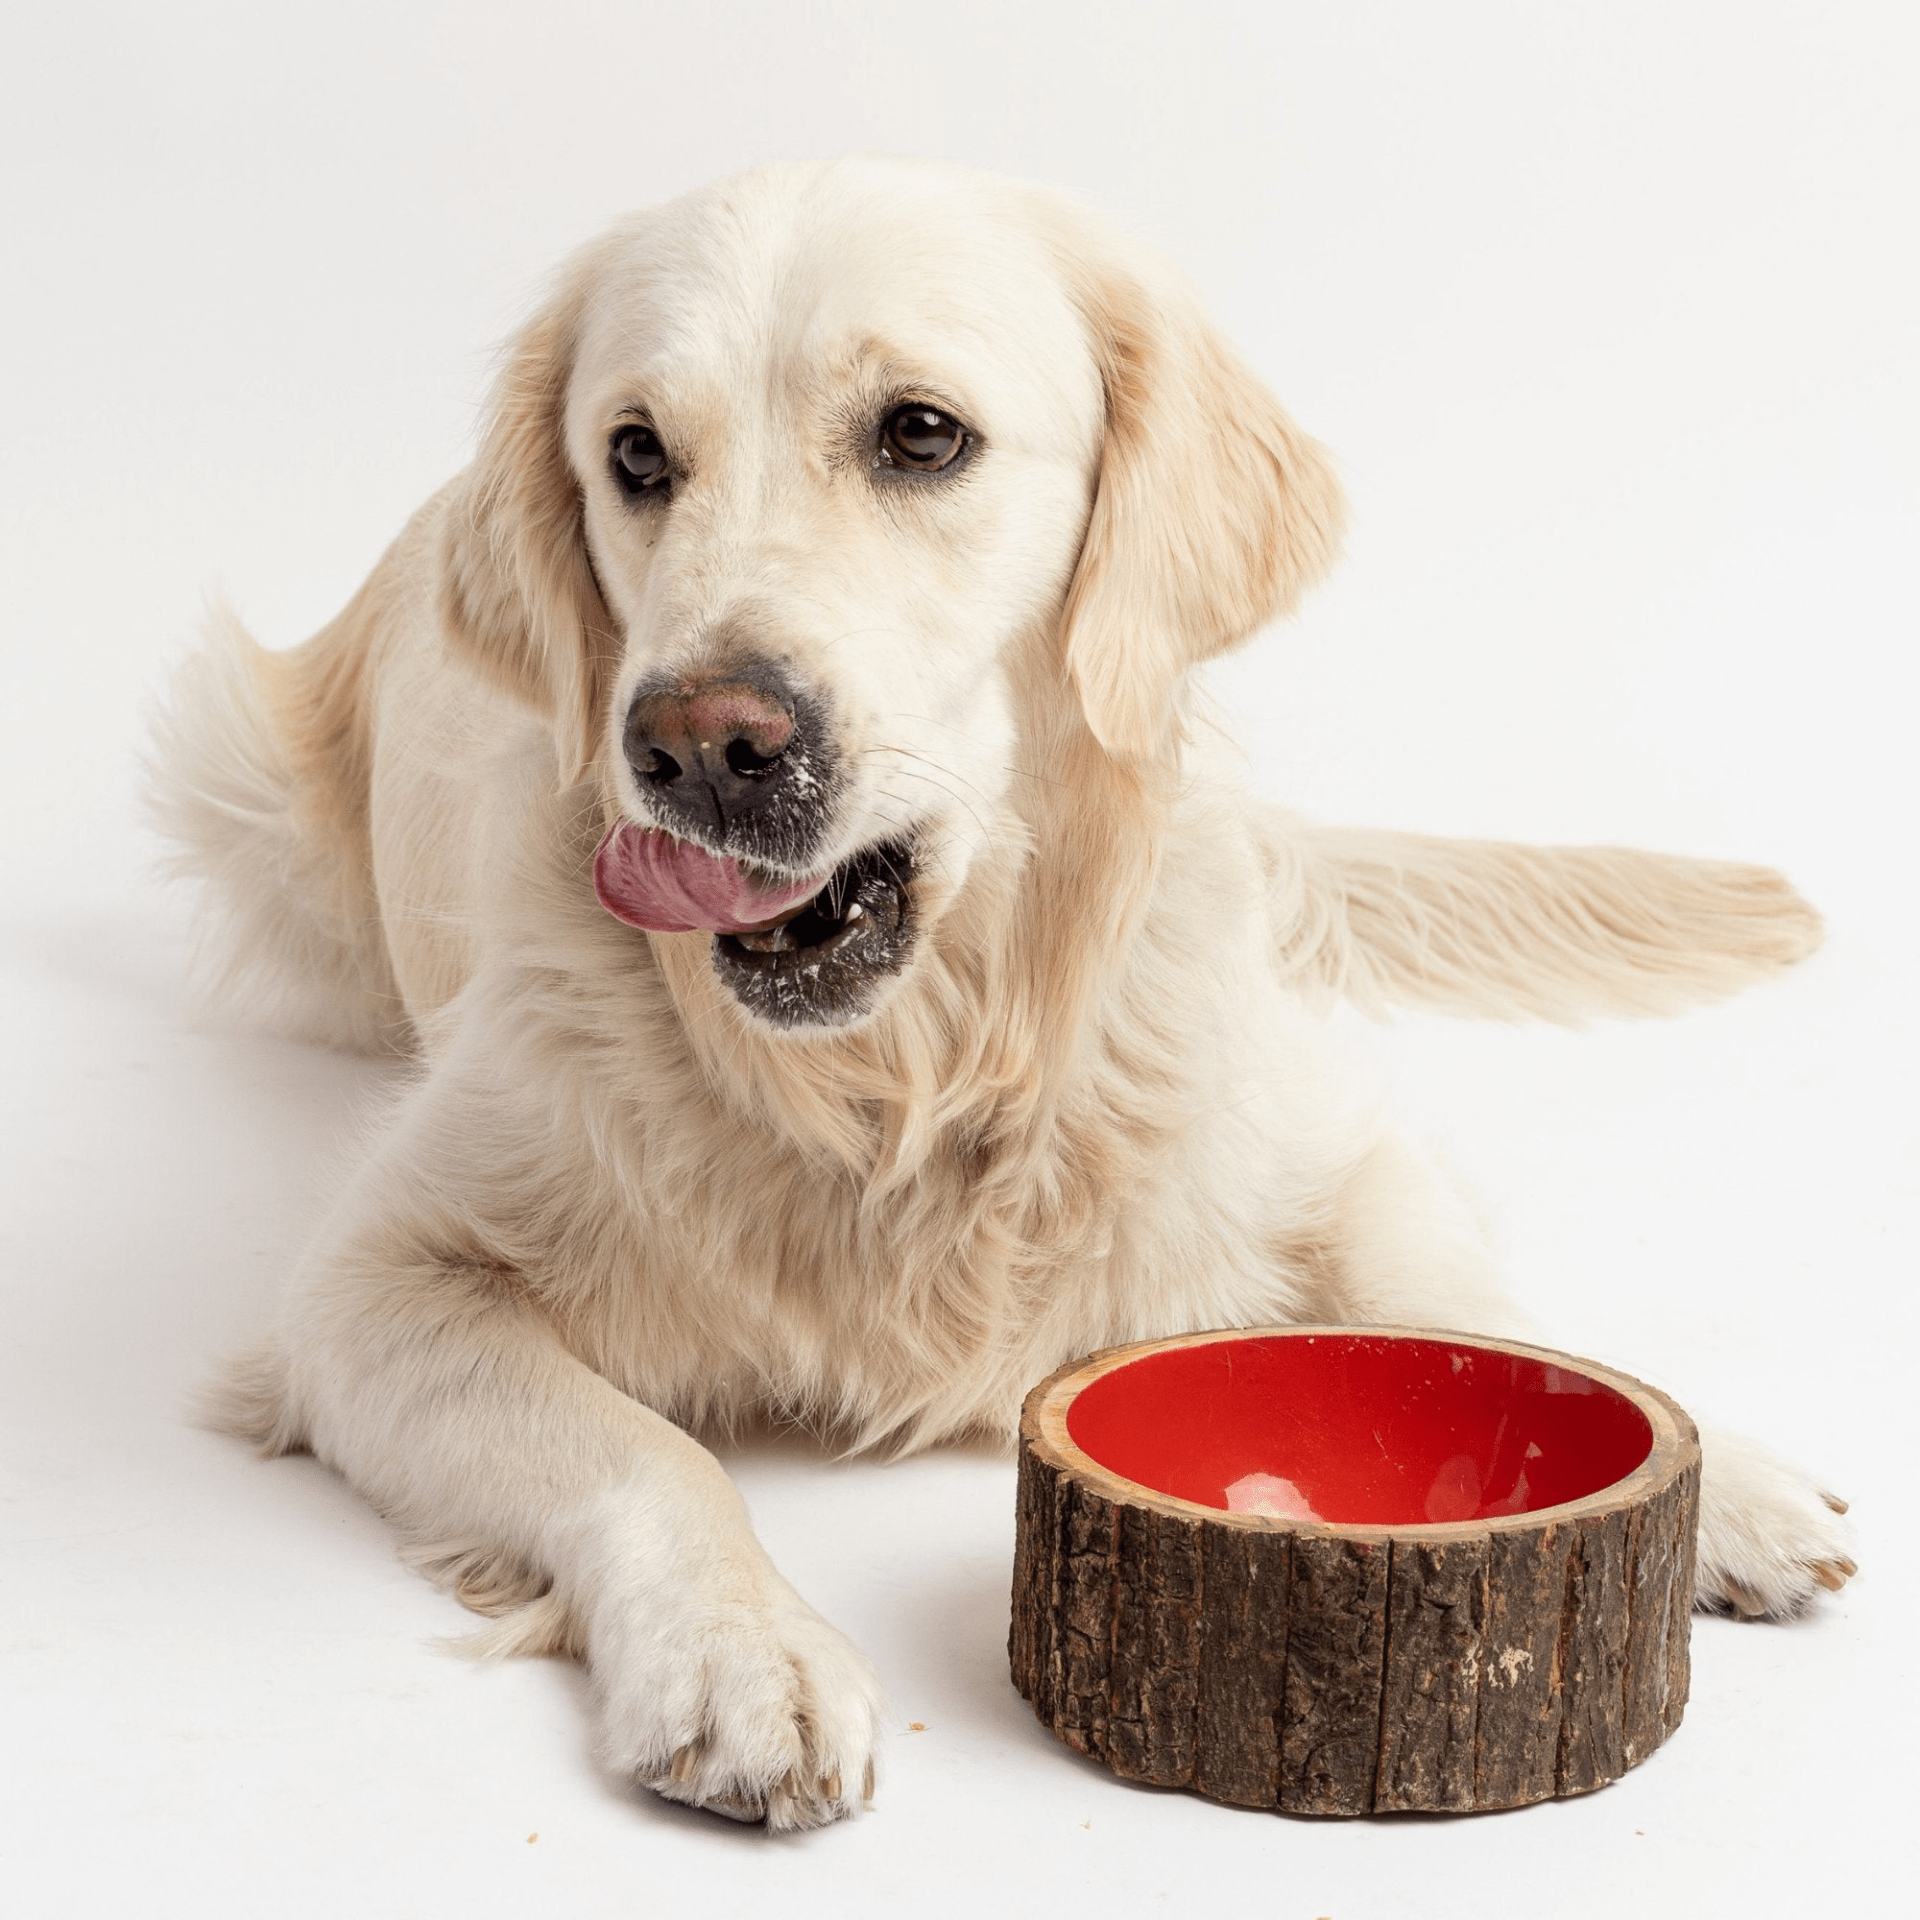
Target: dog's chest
<point>883,1298</point>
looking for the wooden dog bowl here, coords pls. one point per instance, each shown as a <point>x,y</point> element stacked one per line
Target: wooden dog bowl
<point>1351,1570</point>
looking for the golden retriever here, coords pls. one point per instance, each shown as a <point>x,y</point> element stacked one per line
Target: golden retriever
<point>845,982</point>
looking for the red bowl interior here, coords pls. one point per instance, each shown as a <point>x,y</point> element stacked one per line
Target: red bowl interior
<point>1362,1429</point>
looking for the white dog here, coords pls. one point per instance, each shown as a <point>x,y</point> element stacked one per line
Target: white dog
<point>758,791</point>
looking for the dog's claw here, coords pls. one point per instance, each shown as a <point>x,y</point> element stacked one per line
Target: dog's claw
<point>1835,1502</point>
<point>1744,1601</point>
<point>866,1785</point>
<point>787,1804</point>
<point>1835,1573</point>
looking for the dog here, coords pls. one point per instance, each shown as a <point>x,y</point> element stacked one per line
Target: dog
<point>763,795</point>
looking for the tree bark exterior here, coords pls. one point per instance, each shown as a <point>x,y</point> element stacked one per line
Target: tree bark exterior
<point>1327,1669</point>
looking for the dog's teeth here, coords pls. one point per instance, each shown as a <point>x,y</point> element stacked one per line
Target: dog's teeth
<point>768,940</point>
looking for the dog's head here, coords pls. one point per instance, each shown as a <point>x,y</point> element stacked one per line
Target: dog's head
<point>825,509</point>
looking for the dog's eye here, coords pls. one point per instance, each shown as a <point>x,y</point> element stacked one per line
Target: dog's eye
<point>920,437</point>
<point>639,461</point>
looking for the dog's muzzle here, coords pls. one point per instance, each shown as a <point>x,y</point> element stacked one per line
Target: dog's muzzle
<point>741,779</point>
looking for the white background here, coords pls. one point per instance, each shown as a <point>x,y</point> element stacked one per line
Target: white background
<point>1608,314</point>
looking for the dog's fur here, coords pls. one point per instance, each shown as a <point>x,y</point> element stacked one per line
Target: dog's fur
<point>1095,1104</point>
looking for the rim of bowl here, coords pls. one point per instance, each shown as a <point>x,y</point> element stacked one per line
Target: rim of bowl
<point>1043,1427</point>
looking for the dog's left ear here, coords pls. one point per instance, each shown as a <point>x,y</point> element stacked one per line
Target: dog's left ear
<point>1213,512</point>
<point>517,591</point>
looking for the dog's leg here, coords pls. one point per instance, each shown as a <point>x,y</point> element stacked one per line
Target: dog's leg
<point>442,1392</point>
<point>1406,1251</point>
<point>1514,932</point>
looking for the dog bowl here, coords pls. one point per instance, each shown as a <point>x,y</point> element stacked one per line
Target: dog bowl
<point>1345,1570</point>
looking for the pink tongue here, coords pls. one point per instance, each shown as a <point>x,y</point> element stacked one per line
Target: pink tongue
<point>649,879</point>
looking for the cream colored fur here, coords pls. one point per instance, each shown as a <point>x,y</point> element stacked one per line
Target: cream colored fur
<point>614,1207</point>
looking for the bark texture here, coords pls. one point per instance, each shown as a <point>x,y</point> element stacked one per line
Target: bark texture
<point>1342,1670</point>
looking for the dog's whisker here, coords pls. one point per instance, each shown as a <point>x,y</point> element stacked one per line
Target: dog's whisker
<point>938,778</point>
<point>1007,767</point>
<point>986,832</point>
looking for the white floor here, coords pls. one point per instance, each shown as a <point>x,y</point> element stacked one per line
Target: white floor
<point>221,1694</point>
<point>1610,332</point>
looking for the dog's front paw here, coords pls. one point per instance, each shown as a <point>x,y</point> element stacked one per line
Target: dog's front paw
<point>744,1702</point>
<point>1770,1537</point>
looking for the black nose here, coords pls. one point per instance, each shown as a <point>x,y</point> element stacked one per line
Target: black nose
<point>710,754</point>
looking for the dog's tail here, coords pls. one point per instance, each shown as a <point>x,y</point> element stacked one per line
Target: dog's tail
<point>1514,932</point>
<point>257,775</point>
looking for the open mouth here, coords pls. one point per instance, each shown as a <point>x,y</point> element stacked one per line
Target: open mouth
<point>820,963</point>
<point>798,953</point>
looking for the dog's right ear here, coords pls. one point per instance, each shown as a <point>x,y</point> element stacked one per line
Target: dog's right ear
<point>517,591</point>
